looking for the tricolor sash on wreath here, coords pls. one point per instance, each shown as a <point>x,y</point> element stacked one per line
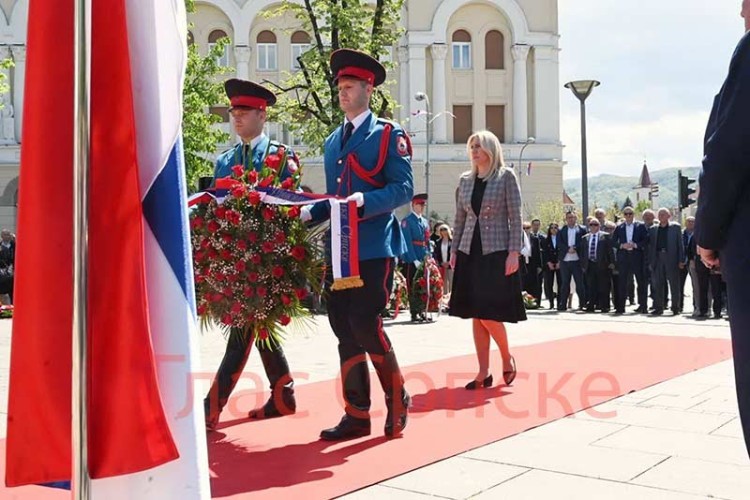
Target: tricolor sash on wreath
<point>344,225</point>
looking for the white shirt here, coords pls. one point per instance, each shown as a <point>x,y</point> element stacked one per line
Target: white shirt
<point>593,243</point>
<point>571,243</point>
<point>444,250</point>
<point>629,232</point>
<point>358,120</point>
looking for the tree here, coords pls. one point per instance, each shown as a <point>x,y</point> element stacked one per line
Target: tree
<point>308,102</point>
<point>641,206</point>
<point>628,202</point>
<point>202,89</point>
<point>551,211</point>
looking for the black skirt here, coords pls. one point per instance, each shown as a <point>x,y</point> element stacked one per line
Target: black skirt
<point>482,290</point>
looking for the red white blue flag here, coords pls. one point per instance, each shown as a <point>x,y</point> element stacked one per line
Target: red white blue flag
<point>145,436</point>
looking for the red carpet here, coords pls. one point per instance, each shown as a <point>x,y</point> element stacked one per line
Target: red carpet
<point>283,457</point>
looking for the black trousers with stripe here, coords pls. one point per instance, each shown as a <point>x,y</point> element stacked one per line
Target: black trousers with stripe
<point>354,315</point>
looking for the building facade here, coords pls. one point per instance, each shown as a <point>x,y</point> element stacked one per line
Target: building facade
<point>484,64</point>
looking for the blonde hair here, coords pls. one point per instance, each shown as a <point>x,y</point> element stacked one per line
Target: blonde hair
<point>490,144</point>
<point>447,228</point>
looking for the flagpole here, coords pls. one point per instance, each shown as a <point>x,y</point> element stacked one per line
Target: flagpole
<point>81,483</point>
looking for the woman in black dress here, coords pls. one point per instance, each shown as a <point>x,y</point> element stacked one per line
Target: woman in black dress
<point>487,239</point>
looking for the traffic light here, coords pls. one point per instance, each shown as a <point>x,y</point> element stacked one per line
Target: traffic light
<point>685,190</point>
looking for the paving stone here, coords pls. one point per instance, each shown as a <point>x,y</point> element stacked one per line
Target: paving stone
<point>661,418</point>
<point>699,477</point>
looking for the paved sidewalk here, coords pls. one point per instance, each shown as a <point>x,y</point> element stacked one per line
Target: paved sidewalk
<point>679,439</point>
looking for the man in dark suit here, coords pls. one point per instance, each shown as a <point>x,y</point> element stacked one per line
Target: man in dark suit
<point>666,256</point>
<point>689,245</point>
<point>630,240</point>
<point>724,207</point>
<point>568,248</point>
<point>535,261</point>
<point>598,260</point>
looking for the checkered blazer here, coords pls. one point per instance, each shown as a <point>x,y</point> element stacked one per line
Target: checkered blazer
<point>500,219</point>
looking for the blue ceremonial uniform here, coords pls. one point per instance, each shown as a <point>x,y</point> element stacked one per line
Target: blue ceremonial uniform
<point>416,235</point>
<point>354,169</point>
<point>257,157</point>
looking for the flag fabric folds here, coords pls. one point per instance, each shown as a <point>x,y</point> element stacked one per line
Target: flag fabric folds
<point>144,427</point>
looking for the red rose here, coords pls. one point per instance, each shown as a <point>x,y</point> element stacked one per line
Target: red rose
<point>226,238</point>
<point>266,181</point>
<point>253,237</point>
<point>219,276</point>
<point>421,281</point>
<point>212,252</point>
<point>263,334</point>
<point>226,319</point>
<point>252,177</point>
<point>280,152</point>
<point>242,244</point>
<point>196,223</point>
<point>267,247</point>
<point>227,291</point>
<point>217,297</point>
<point>233,217</point>
<point>424,298</point>
<point>273,161</point>
<point>262,291</point>
<point>252,277</point>
<point>238,170</point>
<point>220,212</point>
<point>268,213</point>
<point>286,300</point>
<point>248,291</point>
<point>226,254</point>
<point>199,278</point>
<point>238,191</point>
<point>213,226</point>
<point>236,307</point>
<point>288,183</point>
<point>278,271</point>
<point>205,243</point>
<point>298,253</point>
<point>256,259</point>
<point>280,238</point>
<point>254,198</point>
<point>294,212</point>
<point>202,309</point>
<point>239,265</point>
<point>233,278</point>
<point>301,293</point>
<point>284,319</point>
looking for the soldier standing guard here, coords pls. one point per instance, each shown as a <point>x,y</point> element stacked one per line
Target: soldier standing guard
<point>368,160</point>
<point>248,111</point>
<point>417,236</point>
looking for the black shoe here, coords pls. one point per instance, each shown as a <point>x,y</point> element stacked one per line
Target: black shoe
<point>394,427</point>
<point>642,310</point>
<point>475,384</point>
<point>272,410</point>
<point>717,316</point>
<point>619,311</point>
<point>657,312</point>
<point>348,428</point>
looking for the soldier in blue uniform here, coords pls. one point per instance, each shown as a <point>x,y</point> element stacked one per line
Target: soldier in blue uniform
<point>367,159</point>
<point>417,237</point>
<point>248,110</point>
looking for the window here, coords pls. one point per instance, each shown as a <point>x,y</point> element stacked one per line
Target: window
<point>214,37</point>
<point>273,131</point>
<point>300,45</point>
<point>494,50</point>
<point>462,126</point>
<point>495,120</point>
<point>267,51</point>
<point>461,48</point>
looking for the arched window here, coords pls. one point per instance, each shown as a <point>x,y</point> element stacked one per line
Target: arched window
<point>461,49</point>
<point>494,50</point>
<point>213,38</point>
<point>267,60</point>
<point>300,44</point>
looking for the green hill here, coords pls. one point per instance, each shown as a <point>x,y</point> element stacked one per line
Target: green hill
<point>606,189</point>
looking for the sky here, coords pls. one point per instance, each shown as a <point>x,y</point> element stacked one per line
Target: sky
<point>660,63</point>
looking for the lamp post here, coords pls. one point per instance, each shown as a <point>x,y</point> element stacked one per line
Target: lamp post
<point>530,140</point>
<point>582,89</point>
<point>421,96</point>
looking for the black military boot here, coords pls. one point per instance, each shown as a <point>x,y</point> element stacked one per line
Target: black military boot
<point>282,400</point>
<point>397,400</point>
<point>235,358</point>
<point>355,378</point>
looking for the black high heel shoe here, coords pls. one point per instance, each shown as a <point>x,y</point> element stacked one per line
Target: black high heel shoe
<point>474,384</point>
<point>510,376</point>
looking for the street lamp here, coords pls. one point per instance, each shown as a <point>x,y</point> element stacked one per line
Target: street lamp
<point>582,89</point>
<point>421,96</point>
<point>530,140</point>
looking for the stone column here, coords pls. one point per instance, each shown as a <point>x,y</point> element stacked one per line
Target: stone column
<point>242,61</point>
<point>19,58</point>
<point>7,122</point>
<point>546,94</point>
<point>438,102</point>
<point>520,93</point>
<point>403,83</point>
<point>417,83</point>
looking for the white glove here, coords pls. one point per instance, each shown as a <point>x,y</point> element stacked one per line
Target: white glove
<point>305,214</point>
<point>358,197</point>
<point>417,264</point>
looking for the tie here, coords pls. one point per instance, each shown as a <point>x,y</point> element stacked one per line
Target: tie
<point>592,248</point>
<point>348,129</point>
<point>245,155</point>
